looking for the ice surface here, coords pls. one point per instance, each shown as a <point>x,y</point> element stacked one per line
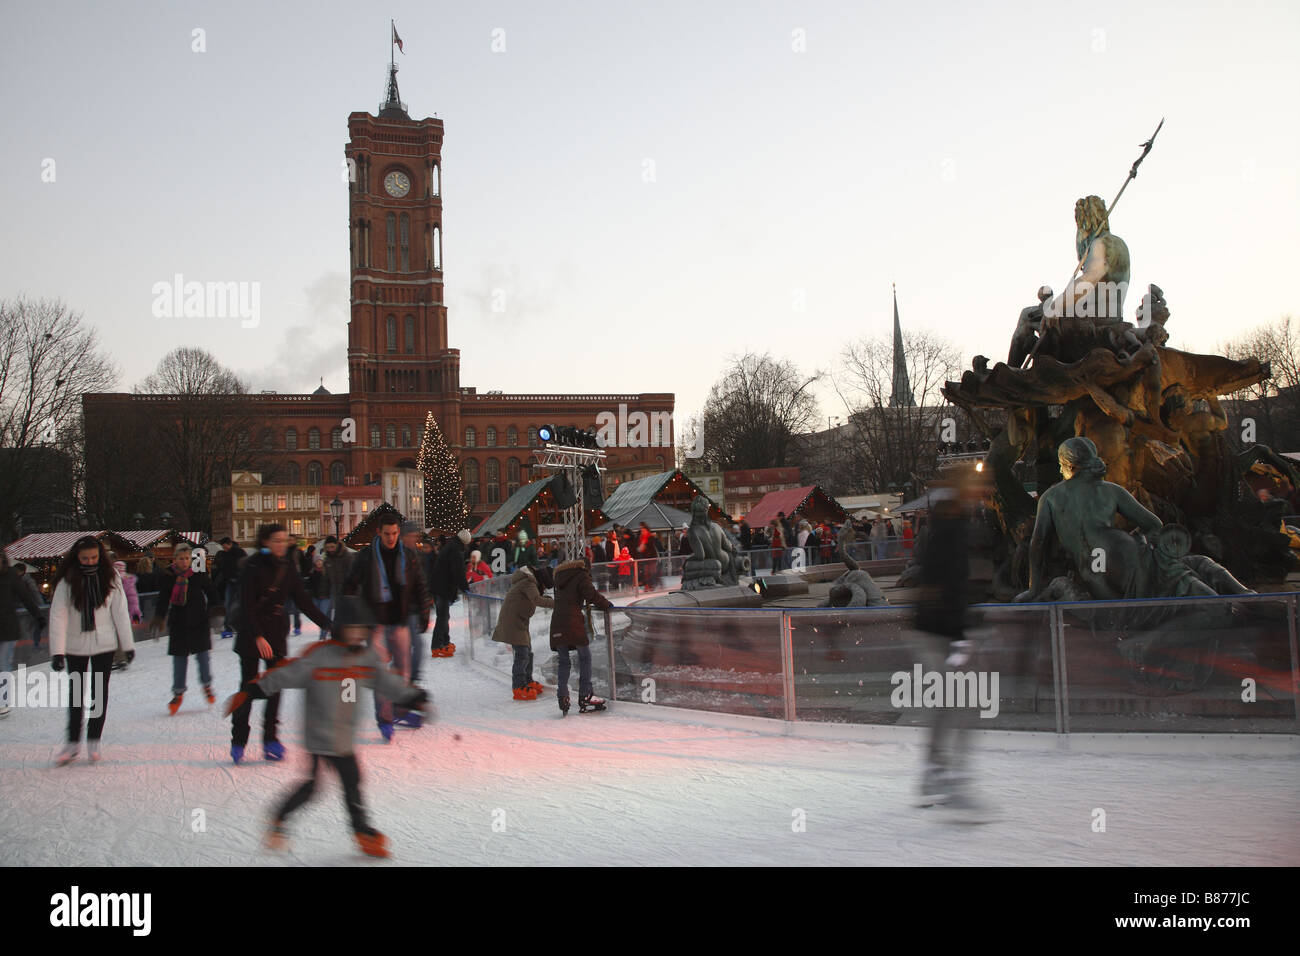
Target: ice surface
<point>523,786</point>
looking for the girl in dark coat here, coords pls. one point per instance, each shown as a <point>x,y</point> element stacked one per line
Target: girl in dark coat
<point>184,597</point>
<point>573,589</point>
<point>13,592</point>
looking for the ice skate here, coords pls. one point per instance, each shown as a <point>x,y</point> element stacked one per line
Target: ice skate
<point>961,807</point>
<point>236,753</point>
<point>276,838</point>
<point>92,751</point>
<point>373,844</point>
<point>209,694</point>
<point>274,750</point>
<point>936,787</point>
<point>525,693</point>
<point>590,703</point>
<point>67,754</point>
<point>175,704</point>
<point>535,687</point>
<point>386,731</point>
<point>411,718</point>
<point>564,706</point>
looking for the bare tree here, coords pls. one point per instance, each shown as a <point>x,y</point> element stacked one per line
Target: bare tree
<point>754,411</point>
<point>896,444</point>
<point>1274,403</point>
<point>48,358</point>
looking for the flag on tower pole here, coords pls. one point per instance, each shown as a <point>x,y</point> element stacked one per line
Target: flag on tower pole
<point>396,38</point>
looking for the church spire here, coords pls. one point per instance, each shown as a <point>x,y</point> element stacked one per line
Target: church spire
<point>902,393</point>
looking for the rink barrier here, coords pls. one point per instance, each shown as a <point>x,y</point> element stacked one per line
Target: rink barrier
<point>1138,668</point>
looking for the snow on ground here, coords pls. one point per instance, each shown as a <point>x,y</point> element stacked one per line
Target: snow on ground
<point>523,786</point>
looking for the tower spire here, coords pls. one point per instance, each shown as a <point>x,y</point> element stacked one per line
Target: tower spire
<point>902,393</point>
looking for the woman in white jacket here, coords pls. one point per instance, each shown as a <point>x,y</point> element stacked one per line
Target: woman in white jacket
<point>89,621</point>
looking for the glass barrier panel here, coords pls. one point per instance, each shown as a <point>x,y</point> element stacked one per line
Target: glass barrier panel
<point>869,666</point>
<point>1191,665</point>
<point>726,660</point>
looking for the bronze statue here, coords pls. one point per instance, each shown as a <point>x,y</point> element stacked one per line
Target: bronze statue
<point>714,559</point>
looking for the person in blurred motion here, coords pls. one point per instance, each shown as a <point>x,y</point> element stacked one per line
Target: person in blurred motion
<point>184,598</point>
<point>647,552</point>
<point>132,595</point>
<point>12,593</point>
<point>573,589</point>
<point>942,618</point>
<point>226,579</point>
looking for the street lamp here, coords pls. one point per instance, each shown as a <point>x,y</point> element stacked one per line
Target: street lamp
<point>336,512</point>
<point>138,519</point>
<point>166,519</point>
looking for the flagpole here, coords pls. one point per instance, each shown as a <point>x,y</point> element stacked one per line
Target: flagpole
<point>392,31</point>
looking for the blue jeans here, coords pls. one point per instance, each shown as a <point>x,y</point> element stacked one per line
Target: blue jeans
<point>584,671</point>
<point>417,645</point>
<point>7,672</point>
<point>181,666</point>
<point>326,606</point>
<point>395,639</point>
<point>522,672</point>
<point>442,622</point>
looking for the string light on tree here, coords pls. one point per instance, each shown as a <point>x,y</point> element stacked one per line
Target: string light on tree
<point>444,497</point>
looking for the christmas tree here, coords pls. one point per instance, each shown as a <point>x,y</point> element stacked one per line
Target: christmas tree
<point>444,499</point>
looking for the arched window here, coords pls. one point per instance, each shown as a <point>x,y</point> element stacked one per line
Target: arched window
<point>512,436</point>
<point>493,481</point>
<point>512,476</point>
<point>410,334</point>
<point>315,474</point>
<point>338,472</point>
<point>437,247</point>
<point>292,474</point>
<point>406,436</point>
<point>290,439</point>
<point>268,439</point>
<point>392,243</point>
<point>532,436</point>
<point>374,436</point>
<point>391,323</point>
<point>491,441</point>
<point>470,437</point>
<point>390,436</point>
<point>436,183</point>
<point>336,437</point>
<point>406,243</point>
<point>313,438</point>
<point>469,476</point>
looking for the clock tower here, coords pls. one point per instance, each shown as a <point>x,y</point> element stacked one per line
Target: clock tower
<point>397,338</point>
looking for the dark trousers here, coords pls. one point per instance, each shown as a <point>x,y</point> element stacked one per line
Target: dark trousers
<point>522,671</point>
<point>93,670</point>
<point>239,729</point>
<point>350,773</point>
<point>442,622</point>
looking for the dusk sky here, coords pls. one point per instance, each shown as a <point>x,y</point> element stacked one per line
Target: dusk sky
<point>654,187</point>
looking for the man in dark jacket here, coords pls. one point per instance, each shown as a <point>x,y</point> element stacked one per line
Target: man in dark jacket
<point>388,578</point>
<point>446,585</point>
<point>573,589</point>
<point>226,580</point>
<point>267,583</point>
<point>12,593</point>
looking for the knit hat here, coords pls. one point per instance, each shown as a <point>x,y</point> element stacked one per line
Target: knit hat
<point>464,536</point>
<point>411,527</point>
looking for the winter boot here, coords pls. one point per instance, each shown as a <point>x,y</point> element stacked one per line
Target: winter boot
<point>175,704</point>
<point>590,702</point>
<point>92,751</point>
<point>373,844</point>
<point>525,693</point>
<point>276,838</point>
<point>274,750</point>
<point>564,706</point>
<point>68,754</point>
<point>208,693</point>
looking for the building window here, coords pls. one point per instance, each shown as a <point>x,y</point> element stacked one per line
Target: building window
<point>491,441</point>
<point>338,471</point>
<point>374,436</point>
<point>512,436</point>
<point>296,526</point>
<point>512,476</point>
<point>406,436</point>
<point>392,244</point>
<point>390,436</point>
<point>532,437</point>
<point>470,437</point>
<point>313,439</point>
<point>469,476</point>
<point>281,502</point>
<point>410,335</point>
<point>406,243</point>
<point>268,440</point>
<point>290,439</point>
<point>436,180</point>
<point>391,329</point>
<point>493,481</point>
<point>297,501</point>
<point>336,437</point>
<point>292,474</point>
<point>268,502</point>
<point>239,501</point>
<point>315,473</point>
<point>437,247</point>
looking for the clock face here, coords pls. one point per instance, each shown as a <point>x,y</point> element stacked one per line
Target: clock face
<point>397,184</point>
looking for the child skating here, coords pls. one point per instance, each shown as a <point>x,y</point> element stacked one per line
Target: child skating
<point>331,671</point>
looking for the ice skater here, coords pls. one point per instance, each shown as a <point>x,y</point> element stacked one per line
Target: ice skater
<point>573,588</point>
<point>331,672</point>
<point>184,598</point>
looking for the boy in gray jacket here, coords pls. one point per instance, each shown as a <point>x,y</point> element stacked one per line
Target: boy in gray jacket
<point>332,672</point>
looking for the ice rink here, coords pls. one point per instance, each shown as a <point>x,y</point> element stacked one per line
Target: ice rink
<point>495,781</point>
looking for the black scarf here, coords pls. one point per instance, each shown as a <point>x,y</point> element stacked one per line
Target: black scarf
<point>90,597</point>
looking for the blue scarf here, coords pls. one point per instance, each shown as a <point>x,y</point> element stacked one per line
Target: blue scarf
<point>385,592</point>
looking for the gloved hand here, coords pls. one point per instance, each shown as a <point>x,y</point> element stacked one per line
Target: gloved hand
<point>57,662</point>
